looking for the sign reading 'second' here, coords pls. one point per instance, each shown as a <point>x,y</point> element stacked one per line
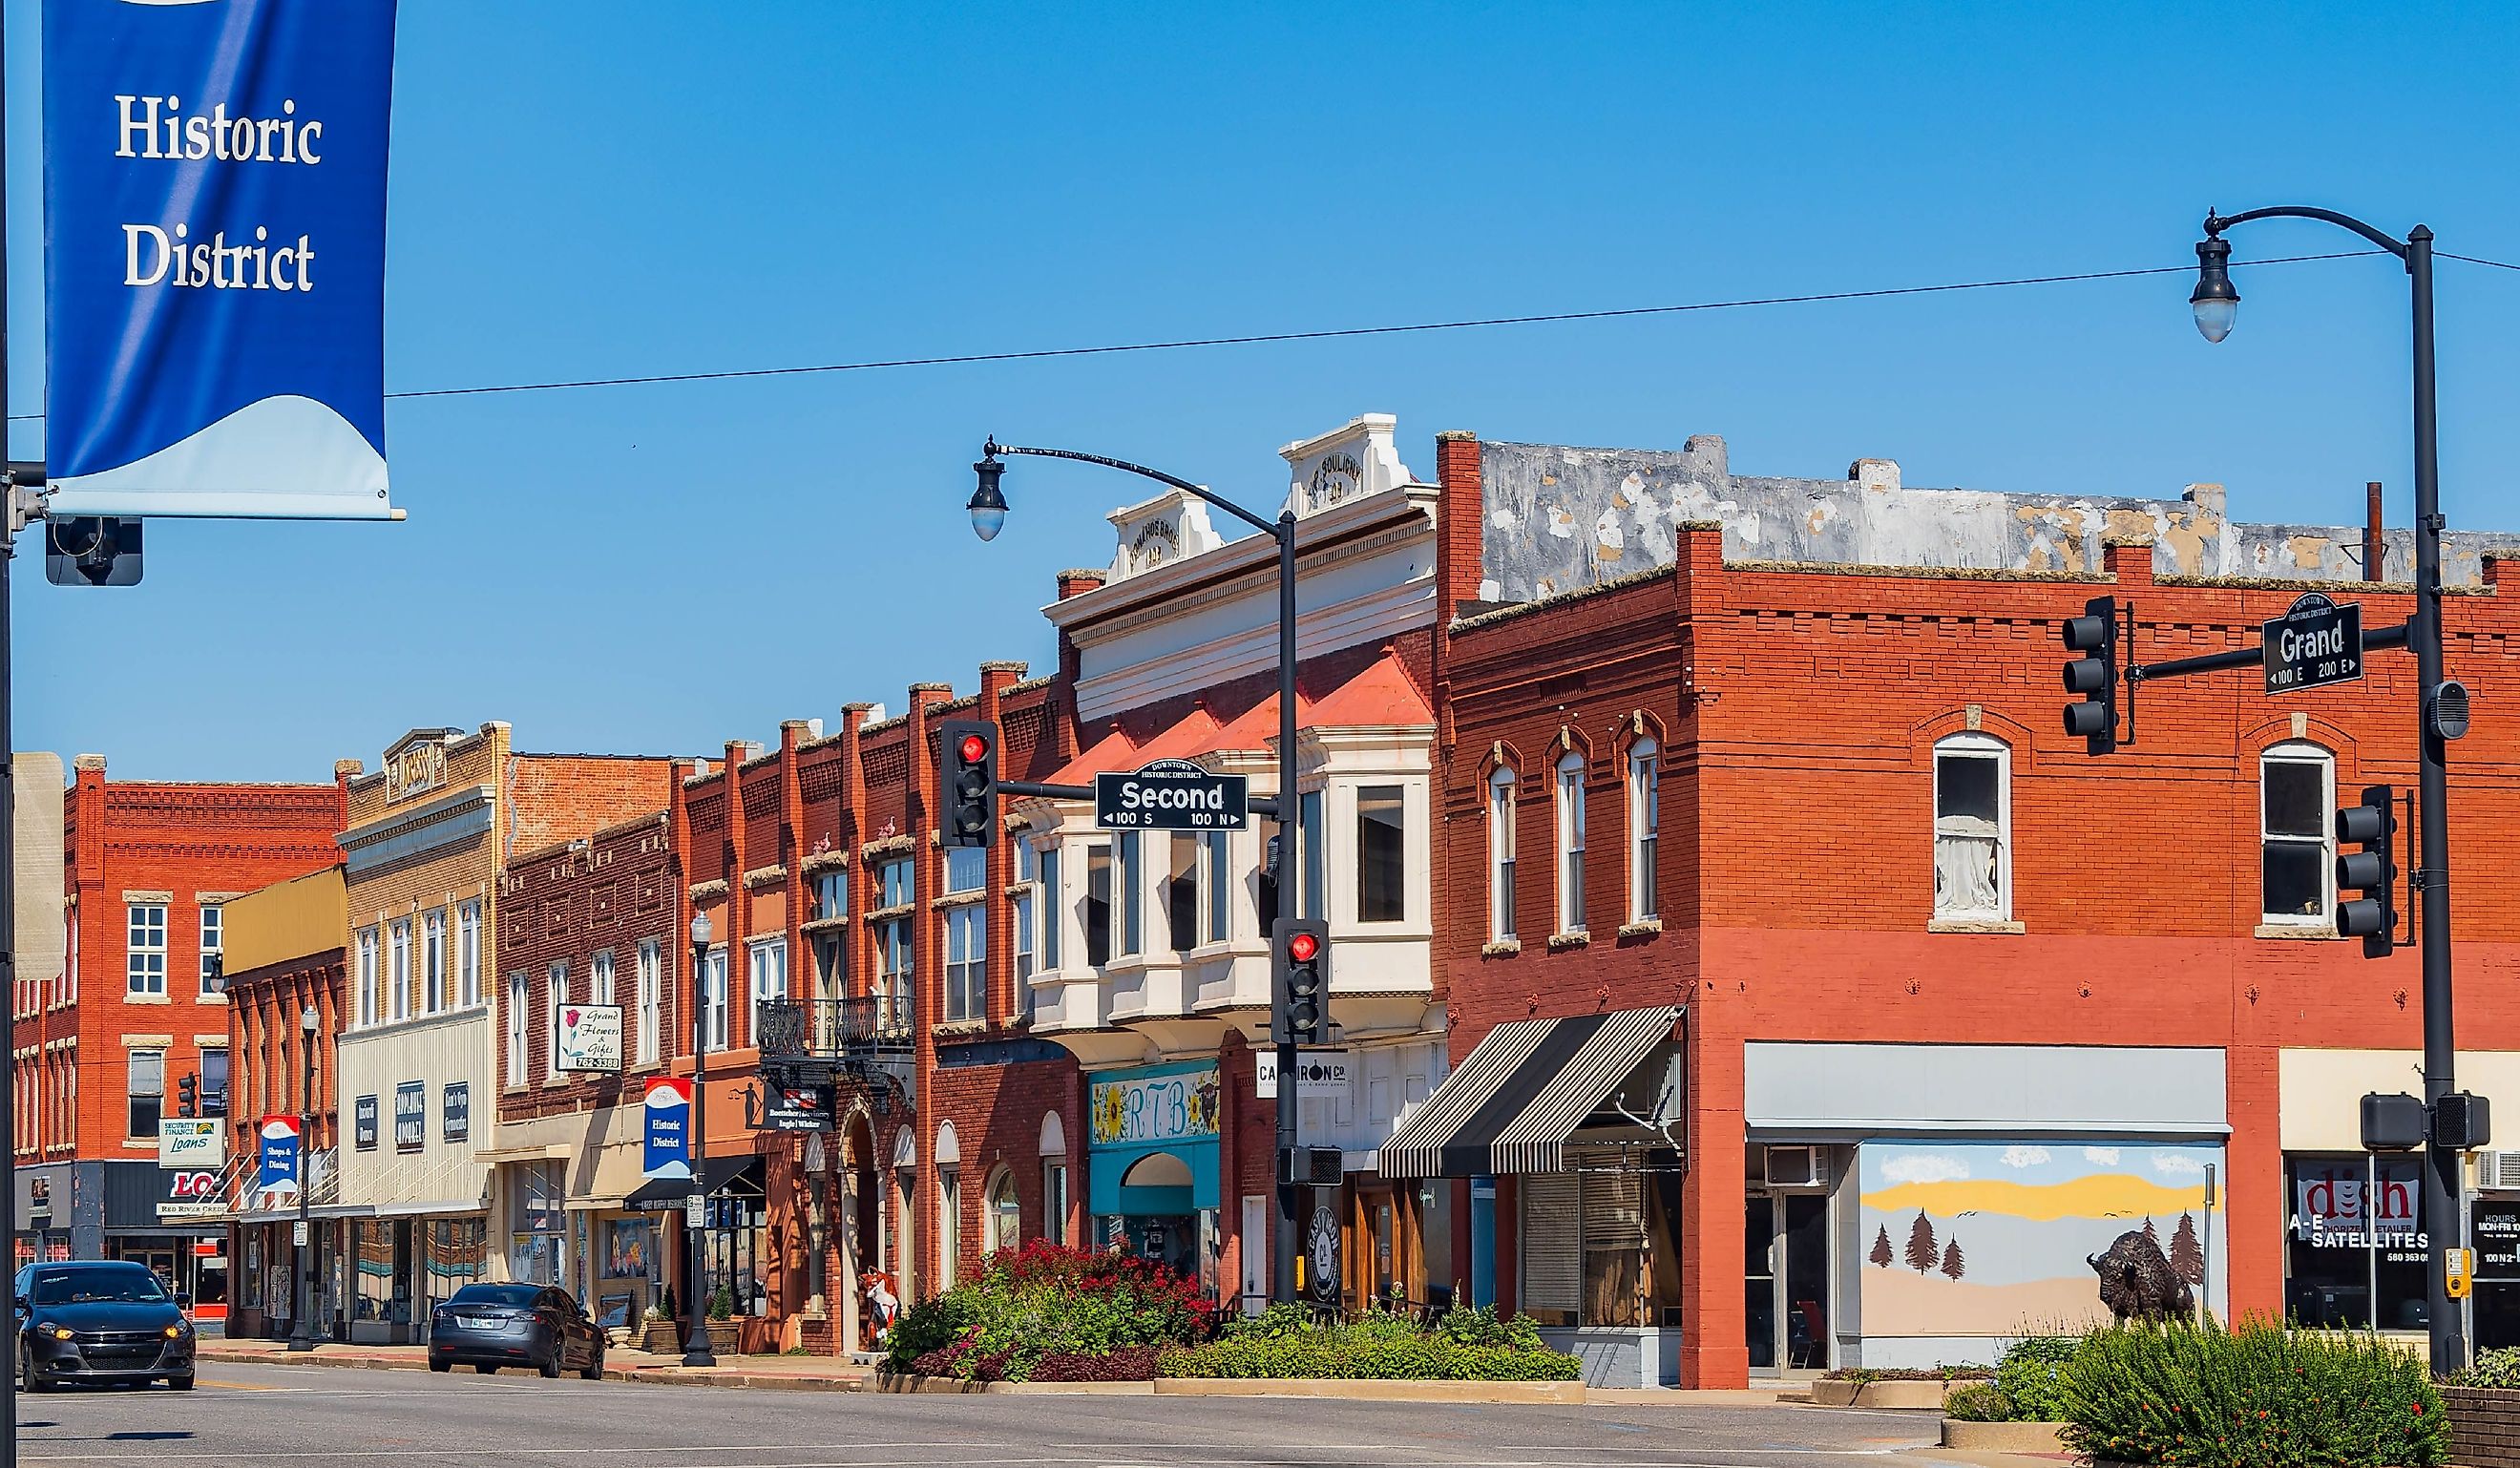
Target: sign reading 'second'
<point>214,207</point>
<point>1170,795</point>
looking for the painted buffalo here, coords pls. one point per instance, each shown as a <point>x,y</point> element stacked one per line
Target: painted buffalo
<point>2137,1282</point>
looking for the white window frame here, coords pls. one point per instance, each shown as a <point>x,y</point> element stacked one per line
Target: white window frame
<point>131,1092</point>
<point>399,966</point>
<point>1569,788</point>
<point>517,1001</point>
<point>1501,788</point>
<point>1216,887</point>
<point>967,869</point>
<point>433,992</point>
<point>1645,831</point>
<point>765,966</point>
<point>144,940</point>
<point>368,1011</point>
<point>555,999</point>
<point>2302,752</point>
<point>1355,797</point>
<point>713,1007</point>
<point>467,953</point>
<point>966,962</point>
<point>652,996</point>
<point>213,945</point>
<point>601,989</point>
<point>1128,896</point>
<point>831,894</point>
<point>1025,911</point>
<point>1995,751</point>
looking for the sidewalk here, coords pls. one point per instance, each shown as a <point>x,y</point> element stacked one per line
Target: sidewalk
<point>802,1373</point>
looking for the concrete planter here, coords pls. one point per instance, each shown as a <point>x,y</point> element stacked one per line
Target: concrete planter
<point>2003,1436</point>
<point>2484,1426</point>
<point>1899,1396</point>
<point>1536,1392</point>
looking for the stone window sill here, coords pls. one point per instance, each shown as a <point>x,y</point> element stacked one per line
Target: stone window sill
<point>1644,928</point>
<point>1503,949</point>
<point>1560,942</point>
<point>2296,933</point>
<point>825,925</point>
<point>146,998</point>
<point>960,899</point>
<point>1973,925</point>
<point>888,914</point>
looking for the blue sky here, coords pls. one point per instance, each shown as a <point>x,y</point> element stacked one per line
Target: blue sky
<point>599,189</point>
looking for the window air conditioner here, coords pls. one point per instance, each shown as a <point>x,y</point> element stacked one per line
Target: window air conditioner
<point>2498,1172</point>
<point>1796,1168</point>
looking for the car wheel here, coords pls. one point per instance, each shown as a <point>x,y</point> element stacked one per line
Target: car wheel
<point>434,1364</point>
<point>549,1365</point>
<point>486,1368</point>
<point>33,1382</point>
<point>594,1365</point>
<point>182,1383</point>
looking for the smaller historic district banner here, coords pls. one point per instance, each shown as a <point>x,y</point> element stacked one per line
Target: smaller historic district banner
<point>214,252</point>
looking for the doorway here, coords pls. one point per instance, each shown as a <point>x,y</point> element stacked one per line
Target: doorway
<point>1785,1281</point>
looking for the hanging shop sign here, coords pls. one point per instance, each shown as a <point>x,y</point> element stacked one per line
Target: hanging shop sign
<point>215,210</point>
<point>191,1142</point>
<point>1318,1073</point>
<point>276,1172</point>
<point>590,1039</point>
<point>1177,1106</point>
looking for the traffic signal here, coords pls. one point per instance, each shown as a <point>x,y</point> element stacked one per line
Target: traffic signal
<point>188,1097</point>
<point>92,550</point>
<point>1300,963</point>
<point>2371,871</point>
<point>2093,675</point>
<point>970,782</point>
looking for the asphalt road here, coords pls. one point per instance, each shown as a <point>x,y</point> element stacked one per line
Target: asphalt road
<point>312,1417</point>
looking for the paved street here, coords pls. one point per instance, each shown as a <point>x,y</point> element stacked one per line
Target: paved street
<point>320,1416</point>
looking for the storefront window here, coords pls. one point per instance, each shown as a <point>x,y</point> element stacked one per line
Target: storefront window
<point>2356,1235</point>
<point>374,1298</point>
<point>1600,1241</point>
<point>455,1255</point>
<point>1005,1214</point>
<point>734,1253</point>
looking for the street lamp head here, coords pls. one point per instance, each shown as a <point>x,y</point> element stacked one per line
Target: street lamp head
<point>700,930</point>
<point>307,1019</point>
<point>2216,301</point>
<point>988,505</point>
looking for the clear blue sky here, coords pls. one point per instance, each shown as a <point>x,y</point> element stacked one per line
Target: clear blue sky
<point>596,189</point>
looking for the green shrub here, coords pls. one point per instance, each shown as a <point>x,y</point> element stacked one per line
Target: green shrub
<point>1047,1301</point>
<point>2208,1396</point>
<point>2032,1375</point>
<point>1978,1401</point>
<point>1367,1351</point>
<point>2493,1370</point>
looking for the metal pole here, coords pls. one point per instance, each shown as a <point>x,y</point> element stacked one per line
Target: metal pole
<point>301,1335</point>
<point>2442,1182</point>
<point>1290,823</point>
<point>696,1341</point>
<point>8,812</point>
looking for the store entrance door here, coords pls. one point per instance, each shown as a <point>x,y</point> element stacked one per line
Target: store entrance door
<point>1786,1281</point>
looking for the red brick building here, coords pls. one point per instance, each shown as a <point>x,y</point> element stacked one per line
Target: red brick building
<point>1935,1004</point>
<point>141,1008</point>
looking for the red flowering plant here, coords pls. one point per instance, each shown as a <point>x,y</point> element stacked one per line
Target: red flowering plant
<point>1080,1314</point>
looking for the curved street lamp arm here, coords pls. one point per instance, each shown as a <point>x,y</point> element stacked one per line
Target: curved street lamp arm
<point>1140,469</point>
<point>2215,224</point>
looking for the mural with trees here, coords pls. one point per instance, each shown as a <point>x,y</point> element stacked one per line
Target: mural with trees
<point>2186,1257</point>
<point>1881,1255</point>
<point>1954,1265</point>
<point>1922,1254</point>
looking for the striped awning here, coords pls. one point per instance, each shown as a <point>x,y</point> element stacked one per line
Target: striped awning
<point>1509,1106</point>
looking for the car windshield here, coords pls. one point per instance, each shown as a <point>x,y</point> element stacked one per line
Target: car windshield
<point>85,1286</point>
<point>496,1294</point>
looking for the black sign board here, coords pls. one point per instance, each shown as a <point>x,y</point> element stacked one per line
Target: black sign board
<point>2494,1227</point>
<point>457,1107</point>
<point>1171,795</point>
<point>2318,642</point>
<point>411,1116</point>
<point>363,1124</point>
<point>798,1108</point>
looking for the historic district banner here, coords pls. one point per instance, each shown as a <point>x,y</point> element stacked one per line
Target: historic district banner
<point>214,232</point>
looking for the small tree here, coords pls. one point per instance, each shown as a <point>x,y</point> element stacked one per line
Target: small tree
<point>1922,1255</point>
<point>2151,1235</point>
<point>1954,1265</point>
<point>1881,1255</point>
<point>2186,1257</point>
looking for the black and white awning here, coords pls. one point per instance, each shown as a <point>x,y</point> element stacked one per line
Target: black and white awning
<point>1509,1106</point>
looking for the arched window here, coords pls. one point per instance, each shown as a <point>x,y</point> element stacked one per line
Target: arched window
<point>1500,928</point>
<point>1570,843</point>
<point>1003,1226</point>
<point>1644,830</point>
<point>1973,827</point>
<point>2297,850</point>
<point>949,1206</point>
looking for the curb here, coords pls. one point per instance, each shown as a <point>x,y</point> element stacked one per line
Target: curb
<point>2003,1436</point>
<point>662,1374</point>
<point>1494,1392</point>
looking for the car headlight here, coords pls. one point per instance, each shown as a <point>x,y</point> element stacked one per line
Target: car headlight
<point>57,1332</point>
<point>178,1332</point>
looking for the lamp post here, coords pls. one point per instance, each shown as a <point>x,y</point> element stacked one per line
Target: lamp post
<point>301,1335</point>
<point>695,1340</point>
<point>988,507</point>
<point>2217,306</point>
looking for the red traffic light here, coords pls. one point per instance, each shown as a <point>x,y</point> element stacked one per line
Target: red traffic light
<point>1301,947</point>
<point>974,748</point>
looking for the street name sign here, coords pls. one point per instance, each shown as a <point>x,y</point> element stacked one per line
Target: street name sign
<point>1171,795</point>
<point>2319,642</point>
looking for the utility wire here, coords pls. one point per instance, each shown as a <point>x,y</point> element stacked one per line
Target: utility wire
<point>1333,334</point>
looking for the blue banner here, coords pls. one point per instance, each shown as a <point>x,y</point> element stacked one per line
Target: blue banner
<point>276,1172</point>
<point>667,1110</point>
<point>214,232</point>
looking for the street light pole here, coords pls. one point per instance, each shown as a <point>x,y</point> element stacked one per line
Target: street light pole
<point>696,1341</point>
<point>2216,304</point>
<point>301,1335</point>
<point>988,507</point>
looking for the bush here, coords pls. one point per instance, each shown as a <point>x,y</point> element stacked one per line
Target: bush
<point>2207,1396</point>
<point>2493,1371</point>
<point>2031,1376</point>
<point>1862,1374</point>
<point>1385,1350</point>
<point>1978,1401</point>
<point>1045,1301</point>
<point>1128,1363</point>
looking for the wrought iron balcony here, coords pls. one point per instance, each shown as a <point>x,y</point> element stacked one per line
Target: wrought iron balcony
<point>842,1029</point>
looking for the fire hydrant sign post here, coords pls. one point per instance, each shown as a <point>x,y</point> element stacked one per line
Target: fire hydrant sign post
<point>1171,795</point>
<point>2319,642</point>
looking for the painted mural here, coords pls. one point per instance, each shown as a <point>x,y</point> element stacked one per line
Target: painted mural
<point>1990,1240</point>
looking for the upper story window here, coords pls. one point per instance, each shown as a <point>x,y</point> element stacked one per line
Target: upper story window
<point>1644,830</point>
<point>1316,857</point>
<point>767,961</point>
<point>1180,892</point>
<point>1024,909</point>
<point>1054,903</point>
<point>1217,872</point>
<point>602,969</point>
<point>145,950</point>
<point>555,1002</point>
<point>1097,903</point>
<point>367,976</point>
<point>966,956</point>
<point>213,965</point>
<point>1128,874</point>
<point>147,1089</point>
<point>713,998</point>
<point>467,953</point>
<point>831,894</point>
<point>1973,827</point>
<point>2297,788</point>
<point>1570,844</point>
<point>652,999</point>
<point>399,968</point>
<point>967,869</point>
<point>435,994</point>
<point>517,999</point>
<point>895,884</point>
<point>1500,928</point>
<point>1381,888</point>
<point>892,975</point>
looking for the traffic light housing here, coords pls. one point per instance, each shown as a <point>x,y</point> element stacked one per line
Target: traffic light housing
<point>2093,675</point>
<point>1299,963</point>
<point>188,1097</point>
<point>2371,871</point>
<point>970,782</point>
<point>92,550</point>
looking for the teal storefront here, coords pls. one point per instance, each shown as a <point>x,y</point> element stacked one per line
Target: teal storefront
<point>1153,1179</point>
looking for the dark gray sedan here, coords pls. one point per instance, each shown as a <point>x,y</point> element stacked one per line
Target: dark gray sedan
<point>488,1326</point>
<point>100,1320</point>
